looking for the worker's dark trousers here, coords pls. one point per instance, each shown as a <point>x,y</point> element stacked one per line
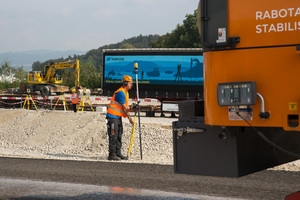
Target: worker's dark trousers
<point>74,107</point>
<point>115,131</point>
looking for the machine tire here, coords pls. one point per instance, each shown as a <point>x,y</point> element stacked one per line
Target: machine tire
<point>45,91</point>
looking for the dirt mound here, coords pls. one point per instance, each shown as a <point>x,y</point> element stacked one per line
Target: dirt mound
<point>83,136</point>
<point>68,135</point>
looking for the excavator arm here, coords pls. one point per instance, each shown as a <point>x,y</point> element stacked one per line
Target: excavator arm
<point>51,69</point>
<point>76,71</point>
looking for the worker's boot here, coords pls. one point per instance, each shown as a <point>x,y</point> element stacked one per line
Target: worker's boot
<point>113,157</point>
<point>122,157</point>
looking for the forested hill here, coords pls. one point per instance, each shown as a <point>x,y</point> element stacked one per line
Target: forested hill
<point>94,56</point>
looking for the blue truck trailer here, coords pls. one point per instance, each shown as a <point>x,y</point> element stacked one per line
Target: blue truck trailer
<point>165,74</point>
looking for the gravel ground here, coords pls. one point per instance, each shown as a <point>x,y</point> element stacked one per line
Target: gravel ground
<point>83,136</point>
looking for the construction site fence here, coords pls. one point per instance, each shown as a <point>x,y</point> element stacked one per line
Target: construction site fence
<point>44,100</point>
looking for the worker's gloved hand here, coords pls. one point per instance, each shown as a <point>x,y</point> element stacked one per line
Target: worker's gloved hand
<point>132,106</point>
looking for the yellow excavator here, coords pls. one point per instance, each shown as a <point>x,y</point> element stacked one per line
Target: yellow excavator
<point>47,81</point>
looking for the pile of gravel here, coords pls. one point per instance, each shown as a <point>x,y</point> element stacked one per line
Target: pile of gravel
<point>83,136</point>
<point>80,136</point>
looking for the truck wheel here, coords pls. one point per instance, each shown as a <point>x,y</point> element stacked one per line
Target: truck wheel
<point>45,91</point>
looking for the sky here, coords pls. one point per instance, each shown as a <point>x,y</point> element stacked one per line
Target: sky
<point>85,25</point>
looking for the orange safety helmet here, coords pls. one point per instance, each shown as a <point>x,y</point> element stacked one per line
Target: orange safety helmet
<point>127,78</point>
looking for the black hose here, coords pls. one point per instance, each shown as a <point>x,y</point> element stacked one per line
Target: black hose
<point>269,141</point>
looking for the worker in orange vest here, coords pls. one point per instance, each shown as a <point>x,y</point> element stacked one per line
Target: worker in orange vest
<point>74,100</point>
<point>117,109</point>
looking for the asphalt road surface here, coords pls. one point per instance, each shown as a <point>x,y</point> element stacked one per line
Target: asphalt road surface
<point>22,179</point>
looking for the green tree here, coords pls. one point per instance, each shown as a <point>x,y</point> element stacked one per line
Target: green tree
<point>20,74</point>
<point>90,77</point>
<point>68,77</point>
<point>126,46</point>
<point>37,66</point>
<point>6,70</point>
<point>184,36</point>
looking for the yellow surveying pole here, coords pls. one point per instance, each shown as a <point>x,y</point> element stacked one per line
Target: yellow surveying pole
<point>138,107</point>
<point>131,138</point>
<point>135,107</point>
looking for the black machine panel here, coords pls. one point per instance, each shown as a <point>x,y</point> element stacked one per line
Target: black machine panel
<point>213,24</point>
<point>236,93</point>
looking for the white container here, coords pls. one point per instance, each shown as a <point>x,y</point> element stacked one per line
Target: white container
<point>101,109</point>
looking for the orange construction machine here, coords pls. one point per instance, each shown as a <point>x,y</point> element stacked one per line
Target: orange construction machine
<point>249,117</point>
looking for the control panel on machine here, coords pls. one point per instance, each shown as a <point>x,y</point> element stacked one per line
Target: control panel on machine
<point>236,93</point>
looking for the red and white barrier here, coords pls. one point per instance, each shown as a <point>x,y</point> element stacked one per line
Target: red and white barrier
<point>37,99</point>
<point>68,98</point>
<point>12,103</point>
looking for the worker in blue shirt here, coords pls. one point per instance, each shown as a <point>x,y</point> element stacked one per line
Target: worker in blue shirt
<point>117,109</point>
